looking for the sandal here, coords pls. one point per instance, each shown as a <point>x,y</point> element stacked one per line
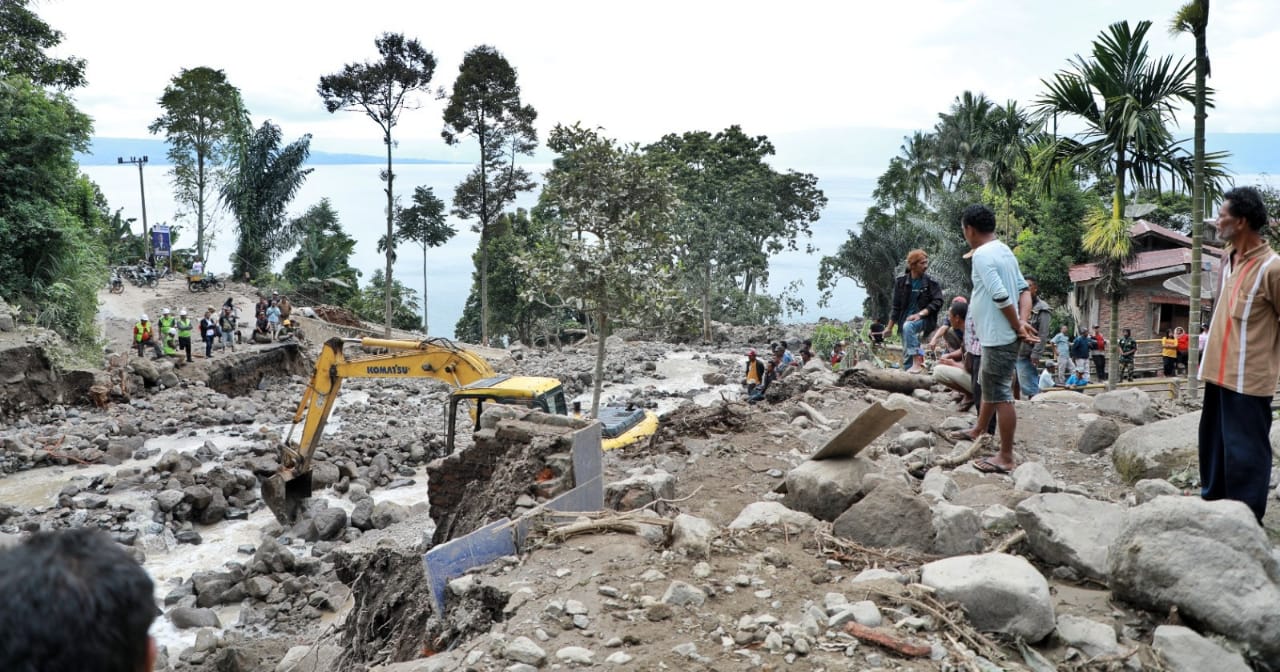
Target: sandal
<point>986,466</point>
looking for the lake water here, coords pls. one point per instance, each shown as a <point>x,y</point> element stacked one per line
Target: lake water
<point>356,194</point>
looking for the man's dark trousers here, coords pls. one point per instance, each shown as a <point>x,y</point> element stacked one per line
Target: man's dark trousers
<point>1235,447</point>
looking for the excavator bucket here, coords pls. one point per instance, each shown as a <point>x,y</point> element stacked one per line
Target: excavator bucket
<point>285,497</point>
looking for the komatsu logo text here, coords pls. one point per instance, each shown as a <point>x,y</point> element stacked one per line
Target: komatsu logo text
<point>387,370</point>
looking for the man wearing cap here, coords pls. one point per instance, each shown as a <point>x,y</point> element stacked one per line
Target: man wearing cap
<point>755,372</point>
<point>144,336</point>
<point>183,326</point>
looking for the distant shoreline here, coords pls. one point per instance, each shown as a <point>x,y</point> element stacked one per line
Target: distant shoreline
<point>106,151</point>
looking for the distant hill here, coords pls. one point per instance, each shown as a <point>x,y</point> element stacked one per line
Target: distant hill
<point>105,151</point>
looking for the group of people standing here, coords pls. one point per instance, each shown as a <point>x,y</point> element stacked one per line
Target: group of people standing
<point>171,335</point>
<point>1001,322</point>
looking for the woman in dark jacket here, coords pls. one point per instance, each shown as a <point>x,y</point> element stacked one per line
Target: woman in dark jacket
<point>917,298</point>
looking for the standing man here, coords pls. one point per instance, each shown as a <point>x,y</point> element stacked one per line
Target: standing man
<point>917,298</point>
<point>1062,346</point>
<point>184,332</point>
<point>1030,353</point>
<point>1242,362</point>
<point>1128,348</point>
<point>1080,349</point>
<point>209,331</point>
<point>1099,348</point>
<point>1000,295</point>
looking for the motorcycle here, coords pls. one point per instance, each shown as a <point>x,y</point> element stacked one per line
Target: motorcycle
<point>143,276</point>
<point>204,283</point>
<point>117,284</point>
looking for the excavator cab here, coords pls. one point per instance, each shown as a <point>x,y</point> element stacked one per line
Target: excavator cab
<point>544,394</point>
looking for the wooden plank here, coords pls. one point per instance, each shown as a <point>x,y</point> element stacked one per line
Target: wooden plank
<point>859,434</point>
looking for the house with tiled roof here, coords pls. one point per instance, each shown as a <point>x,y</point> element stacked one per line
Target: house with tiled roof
<point>1156,298</point>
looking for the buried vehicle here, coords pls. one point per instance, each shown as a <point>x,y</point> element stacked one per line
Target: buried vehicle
<point>471,376</point>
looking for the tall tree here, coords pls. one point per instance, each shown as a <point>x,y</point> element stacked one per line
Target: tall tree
<point>322,269</point>
<point>51,262</point>
<point>514,315</point>
<point>1125,102</point>
<point>264,177</point>
<point>611,255</point>
<point>1107,240</point>
<point>735,209</point>
<point>381,90</point>
<point>424,223</point>
<point>1193,18</point>
<point>204,121</point>
<point>368,303</point>
<point>24,37</point>
<point>485,105</point>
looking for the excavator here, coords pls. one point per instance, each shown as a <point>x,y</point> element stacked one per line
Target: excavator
<point>472,378</point>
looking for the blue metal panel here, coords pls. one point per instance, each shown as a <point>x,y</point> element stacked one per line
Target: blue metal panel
<point>453,558</point>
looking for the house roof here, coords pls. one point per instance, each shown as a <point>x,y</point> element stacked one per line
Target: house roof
<point>1143,227</point>
<point>1148,263</point>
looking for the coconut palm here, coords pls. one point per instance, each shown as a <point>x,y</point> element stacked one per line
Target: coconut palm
<point>1193,18</point>
<point>962,135</point>
<point>918,158</point>
<point>1125,101</point>
<point>264,179</point>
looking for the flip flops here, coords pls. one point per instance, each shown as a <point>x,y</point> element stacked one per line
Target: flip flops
<point>986,466</point>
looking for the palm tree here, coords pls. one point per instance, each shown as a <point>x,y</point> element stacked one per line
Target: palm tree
<point>1125,101</point>
<point>1193,18</point>
<point>920,163</point>
<point>1107,240</point>
<point>963,135</point>
<point>264,179</point>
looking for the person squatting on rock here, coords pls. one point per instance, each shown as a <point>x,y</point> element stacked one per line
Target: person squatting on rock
<point>1242,361</point>
<point>917,298</point>
<point>184,332</point>
<point>74,601</point>
<point>950,370</point>
<point>144,337</point>
<point>1128,348</point>
<point>1029,354</point>
<point>1000,296</point>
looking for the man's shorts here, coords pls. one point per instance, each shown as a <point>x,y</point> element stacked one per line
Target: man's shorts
<point>996,374</point>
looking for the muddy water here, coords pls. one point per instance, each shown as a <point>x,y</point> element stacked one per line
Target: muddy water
<point>169,563</point>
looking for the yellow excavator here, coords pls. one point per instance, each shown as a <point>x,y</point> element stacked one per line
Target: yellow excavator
<point>472,378</point>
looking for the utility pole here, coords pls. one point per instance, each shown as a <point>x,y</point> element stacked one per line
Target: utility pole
<point>146,235</point>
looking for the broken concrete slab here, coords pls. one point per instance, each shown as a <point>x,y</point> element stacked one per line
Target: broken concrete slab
<point>859,434</point>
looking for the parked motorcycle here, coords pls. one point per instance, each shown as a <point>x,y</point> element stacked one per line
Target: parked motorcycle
<point>117,283</point>
<point>205,282</point>
<point>141,276</point>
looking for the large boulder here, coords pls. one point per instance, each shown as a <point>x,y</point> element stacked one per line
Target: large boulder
<point>825,488</point>
<point>998,592</point>
<point>642,486</point>
<point>1072,530</point>
<point>890,516</point>
<point>1132,404</point>
<point>1098,436</point>
<point>957,530</point>
<point>1185,650</point>
<point>1159,449</point>
<point>1211,560</point>
<point>772,514</point>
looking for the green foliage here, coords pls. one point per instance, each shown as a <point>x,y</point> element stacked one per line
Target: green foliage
<point>369,302</point>
<point>423,223</point>
<point>204,122</point>
<point>51,260</point>
<point>321,270</point>
<point>514,315</point>
<point>24,37</point>
<point>485,105</point>
<point>826,335</point>
<point>1271,199</point>
<point>609,251</point>
<point>1173,208</point>
<point>1050,240</point>
<point>380,89</point>
<point>735,210</point>
<point>264,177</point>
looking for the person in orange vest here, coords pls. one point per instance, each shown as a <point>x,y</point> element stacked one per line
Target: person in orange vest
<point>144,336</point>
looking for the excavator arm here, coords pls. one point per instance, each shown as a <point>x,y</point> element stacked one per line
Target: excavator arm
<point>436,358</point>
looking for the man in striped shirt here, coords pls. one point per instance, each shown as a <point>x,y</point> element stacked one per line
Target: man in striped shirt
<point>1241,362</point>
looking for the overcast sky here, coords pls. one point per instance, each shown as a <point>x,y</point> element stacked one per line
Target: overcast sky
<point>643,69</point>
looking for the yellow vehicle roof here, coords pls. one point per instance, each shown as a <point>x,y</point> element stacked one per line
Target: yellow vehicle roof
<point>510,386</point>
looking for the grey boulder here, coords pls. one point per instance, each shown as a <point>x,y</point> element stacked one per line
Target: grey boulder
<point>1132,404</point>
<point>998,592</point>
<point>1159,449</point>
<point>1072,530</point>
<point>1210,559</point>
<point>1098,436</point>
<point>825,488</point>
<point>890,516</point>
<point>1185,650</point>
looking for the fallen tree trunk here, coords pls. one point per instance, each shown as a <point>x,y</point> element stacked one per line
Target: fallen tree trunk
<point>889,380</point>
